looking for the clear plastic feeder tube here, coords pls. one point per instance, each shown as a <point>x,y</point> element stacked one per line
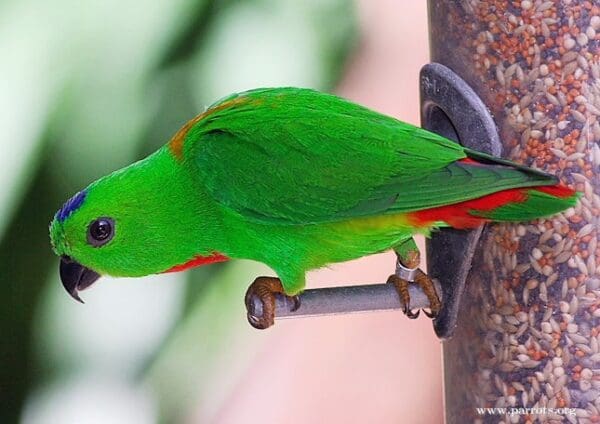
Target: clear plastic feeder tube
<point>528,336</point>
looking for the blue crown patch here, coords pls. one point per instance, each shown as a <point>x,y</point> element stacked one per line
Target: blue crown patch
<point>71,206</point>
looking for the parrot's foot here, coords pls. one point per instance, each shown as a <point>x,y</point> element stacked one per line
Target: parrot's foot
<point>260,301</point>
<point>428,288</point>
<point>401,286</point>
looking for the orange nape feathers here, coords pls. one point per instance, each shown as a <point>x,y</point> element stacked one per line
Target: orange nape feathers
<point>473,213</point>
<point>177,141</point>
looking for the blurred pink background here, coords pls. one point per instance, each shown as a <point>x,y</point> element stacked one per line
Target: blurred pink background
<point>379,367</point>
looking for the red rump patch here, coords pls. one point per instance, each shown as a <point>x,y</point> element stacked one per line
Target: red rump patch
<point>198,261</point>
<point>469,160</point>
<point>458,216</point>
<point>560,191</point>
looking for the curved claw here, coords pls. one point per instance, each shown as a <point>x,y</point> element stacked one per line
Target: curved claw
<point>410,314</point>
<point>431,314</point>
<point>260,302</point>
<point>258,322</point>
<point>258,308</point>
<point>401,286</point>
<point>296,303</point>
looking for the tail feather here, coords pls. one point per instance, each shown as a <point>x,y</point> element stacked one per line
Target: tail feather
<point>523,194</point>
<point>513,205</point>
<point>537,202</point>
<point>534,174</point>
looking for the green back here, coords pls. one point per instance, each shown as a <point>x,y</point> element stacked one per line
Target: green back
<point>291,156</point>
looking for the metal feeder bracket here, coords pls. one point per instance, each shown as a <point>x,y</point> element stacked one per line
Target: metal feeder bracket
<point>451,108</point>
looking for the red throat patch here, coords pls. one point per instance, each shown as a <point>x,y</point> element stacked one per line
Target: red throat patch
<point>198,261</point>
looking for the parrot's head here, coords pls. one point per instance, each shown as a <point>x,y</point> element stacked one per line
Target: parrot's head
<point>144,219</point>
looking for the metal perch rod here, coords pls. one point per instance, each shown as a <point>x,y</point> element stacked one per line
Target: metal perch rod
<point>347,300</point>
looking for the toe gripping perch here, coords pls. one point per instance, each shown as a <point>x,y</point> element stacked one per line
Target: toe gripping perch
<point>451,108</point>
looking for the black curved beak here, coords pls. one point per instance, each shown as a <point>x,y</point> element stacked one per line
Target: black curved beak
<point>75,277</point>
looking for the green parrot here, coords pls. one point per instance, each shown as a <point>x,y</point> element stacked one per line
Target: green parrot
<point>296,179</point>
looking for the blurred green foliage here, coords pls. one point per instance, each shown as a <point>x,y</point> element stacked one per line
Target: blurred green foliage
<point>89,87</point>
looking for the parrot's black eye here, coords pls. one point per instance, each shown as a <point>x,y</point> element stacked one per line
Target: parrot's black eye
<point>101,231</point>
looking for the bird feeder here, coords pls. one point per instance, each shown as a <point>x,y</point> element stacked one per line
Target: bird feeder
<point>528,332</point>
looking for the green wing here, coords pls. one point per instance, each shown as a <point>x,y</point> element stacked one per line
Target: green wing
<point>299,156</point>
